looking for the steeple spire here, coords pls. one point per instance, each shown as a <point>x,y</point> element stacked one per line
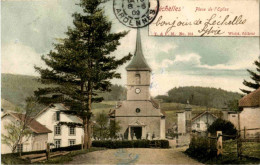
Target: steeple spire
<point>138,62</point>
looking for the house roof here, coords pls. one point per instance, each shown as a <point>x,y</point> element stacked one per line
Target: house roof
<point>201,114</point>
<point>34,125</point>
<point>59,106</point>
<point>138,62</point>
<point>251,100</point>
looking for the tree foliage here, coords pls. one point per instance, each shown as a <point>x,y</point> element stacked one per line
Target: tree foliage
<point>201,96</point>
<point>233,105</point>
<point>255,76</point>
<point>103,128</point>
<point>226,127</point>
<point>81,65</point>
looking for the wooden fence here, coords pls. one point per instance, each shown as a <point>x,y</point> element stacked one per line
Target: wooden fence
<point>240,145</point>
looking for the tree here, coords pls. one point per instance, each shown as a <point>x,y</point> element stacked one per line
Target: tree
<point>18,132</point>
<point>103,128</point>
<point>81,66</point>
<point>255,76</point>
<point>226,127</point>
<point>114,128</point>
<point>233,105</point>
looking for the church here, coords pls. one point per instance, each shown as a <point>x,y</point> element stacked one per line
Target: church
<point>139,115</point>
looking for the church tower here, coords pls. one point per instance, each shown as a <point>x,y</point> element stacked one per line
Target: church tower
<point>140,117</point>
<point>138,74</point>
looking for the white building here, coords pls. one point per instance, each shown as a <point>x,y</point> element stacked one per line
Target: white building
<point>38,139</point>
<point>61,135</point>
<point>201,122</point>
<point>250,114</point>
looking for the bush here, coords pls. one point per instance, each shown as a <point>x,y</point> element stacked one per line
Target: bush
<point>131,143</point>
<point>226,127</point>
<point>202,147</point>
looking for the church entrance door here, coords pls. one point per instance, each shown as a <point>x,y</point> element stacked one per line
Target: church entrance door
<point>137,132</point>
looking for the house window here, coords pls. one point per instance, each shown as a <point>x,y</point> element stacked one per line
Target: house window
<point>72,142</point>
<point>72,131</point>
<point>19,148</point>
<point>57,130</point>
<point>198,125</point>
<point>57,116</point>
<point>57,143</point>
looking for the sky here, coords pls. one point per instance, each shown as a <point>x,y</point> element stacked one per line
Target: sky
<point>29,29</point>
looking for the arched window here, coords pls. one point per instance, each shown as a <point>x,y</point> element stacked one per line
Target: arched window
<point>137,78</point>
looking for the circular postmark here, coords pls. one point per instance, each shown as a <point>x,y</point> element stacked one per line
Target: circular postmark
<point>136,13</point>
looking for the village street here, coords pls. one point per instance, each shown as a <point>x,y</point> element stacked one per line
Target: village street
<point>135,156</point>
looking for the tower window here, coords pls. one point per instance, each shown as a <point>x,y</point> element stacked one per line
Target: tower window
<point>137,78</point>
<point>137,110</point>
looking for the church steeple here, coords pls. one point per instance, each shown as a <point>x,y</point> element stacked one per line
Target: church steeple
<point>138,62</point>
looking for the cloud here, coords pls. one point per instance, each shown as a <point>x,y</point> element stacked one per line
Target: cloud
<point>19,59</point>
<point>192,61</point>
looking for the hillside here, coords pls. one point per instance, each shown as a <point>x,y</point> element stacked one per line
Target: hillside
<point>16,88</point>
<point>201,96</point>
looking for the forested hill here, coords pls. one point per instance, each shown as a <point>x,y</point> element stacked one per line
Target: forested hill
<point>15,89</point>
<point>202,96</point>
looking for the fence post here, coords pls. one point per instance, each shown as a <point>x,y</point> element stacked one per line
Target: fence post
<point>239,144</point>
<point>209,142</point>
<point>244,132</point>
<point>219,143</point>
<point>82,139</point>
<point>47,151</point>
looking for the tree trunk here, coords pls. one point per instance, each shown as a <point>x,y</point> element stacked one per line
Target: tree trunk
<point>85,134</point>
<point>89,134</point>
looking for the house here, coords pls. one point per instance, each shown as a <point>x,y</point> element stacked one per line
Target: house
<point>250,114</point>
<point>38,139</point>
<point>201,122</point>
<point>61,135</point>
<point>186,124</point>
<point>139,115</point>
<point>231,116</point>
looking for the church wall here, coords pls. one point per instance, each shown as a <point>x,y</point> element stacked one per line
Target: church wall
<point>128,108</point>
<point>152,125</point>
<point>143,95</point>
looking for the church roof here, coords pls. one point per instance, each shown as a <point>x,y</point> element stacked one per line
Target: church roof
<point>138,62</point>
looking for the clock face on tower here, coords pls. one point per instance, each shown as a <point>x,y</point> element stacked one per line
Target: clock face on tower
<point>137,90</point>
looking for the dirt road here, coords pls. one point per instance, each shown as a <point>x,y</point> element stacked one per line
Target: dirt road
<point>134,156</point>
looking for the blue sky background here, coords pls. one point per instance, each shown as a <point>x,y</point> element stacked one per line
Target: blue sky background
<point>28,29</point>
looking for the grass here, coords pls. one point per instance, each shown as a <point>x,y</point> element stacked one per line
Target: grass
<point>14,158</point>
<point>250,150</point>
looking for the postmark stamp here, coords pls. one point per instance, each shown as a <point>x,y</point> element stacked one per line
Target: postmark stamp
<point>136,13</point>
